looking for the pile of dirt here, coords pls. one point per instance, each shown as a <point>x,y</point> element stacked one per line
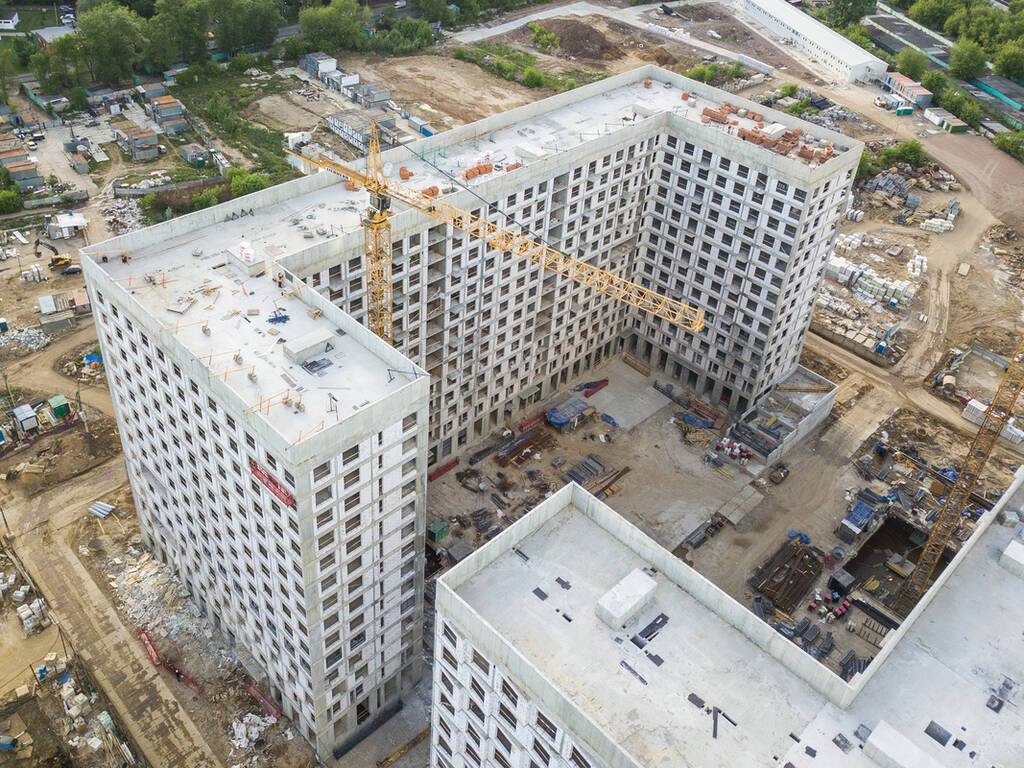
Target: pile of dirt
<point>659,56</point>
<point>822,366</point>
<point>581,40</point>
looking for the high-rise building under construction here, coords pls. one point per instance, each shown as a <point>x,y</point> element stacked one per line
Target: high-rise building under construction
<point>278,450</point>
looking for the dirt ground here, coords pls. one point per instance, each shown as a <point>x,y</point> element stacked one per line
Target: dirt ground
<point>444,91</point>
<point>823,366</point>
<point>290,112</point>
<point>940,446</point>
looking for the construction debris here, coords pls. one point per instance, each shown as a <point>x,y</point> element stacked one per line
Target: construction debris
<point>247,731</point>
<point>25,339</point>
<point>122,216</point>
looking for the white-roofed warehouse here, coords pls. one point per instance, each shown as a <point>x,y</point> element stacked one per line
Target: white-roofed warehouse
<point>824,45</point>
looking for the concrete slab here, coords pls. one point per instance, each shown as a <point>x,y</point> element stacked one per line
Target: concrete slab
<point>629,397</point>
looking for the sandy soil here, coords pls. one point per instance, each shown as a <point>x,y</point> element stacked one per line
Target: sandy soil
<point>446,92</point>
<point>290,111</point>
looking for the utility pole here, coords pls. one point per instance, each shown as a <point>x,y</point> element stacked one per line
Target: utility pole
<point>3,370</point>
<point>84,418</point>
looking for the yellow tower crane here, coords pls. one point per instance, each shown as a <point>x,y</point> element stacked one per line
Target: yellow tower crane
<point>997,414</point>
<point>377,231</point>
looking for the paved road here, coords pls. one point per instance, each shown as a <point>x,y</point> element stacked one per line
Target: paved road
<point>164,732</point>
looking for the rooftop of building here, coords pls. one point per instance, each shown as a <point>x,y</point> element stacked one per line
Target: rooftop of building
<point>957,662</point>
<point>810,27</point>
<point>302,374</point>
<point>656,701</point>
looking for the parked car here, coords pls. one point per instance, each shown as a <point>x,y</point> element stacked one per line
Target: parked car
<point>32,145</point>
<point>400,3</point>
<point>91,122</point>
<point>71,271</point>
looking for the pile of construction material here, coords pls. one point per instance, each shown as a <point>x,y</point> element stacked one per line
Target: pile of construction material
<point>28,339</point>
<point>974,412</point>
<point>866,282</point>
<point>122,216</point>
<point>943,223</point>
<point>33,614</point>
<point>918,265</point>
<point>34,274</point>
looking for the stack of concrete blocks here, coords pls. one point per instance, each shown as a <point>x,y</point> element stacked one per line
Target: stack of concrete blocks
<point>76,705</point>
<point>32,615</point>
<point>918,265</point>
<point>974,412</point>
<point>864,280</point>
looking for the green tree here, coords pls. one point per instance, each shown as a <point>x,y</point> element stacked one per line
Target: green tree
<point>1009,61</point>
<point>206,198</point>
<point>910,152</point>
<point>241,62</point>
<point>337,26</point>
<point>867,167</point>
<point>8,66</point>
<point>933,13</point>
<point>23,48</point>
<point>841,13</point>
<point>111,36</point>
<point>246,24</point>
<point>79,98</point>
<point>9,201</point>
<point>1011,143</point>
<point>532,77</point>
<point>243,182</point>
<point>967,60</point>
<point>408,35</point>
<point>788,90</point>
<point>159,50</point>
<point>386,19</point>
<point>912,63</point>
<point>935,81</point>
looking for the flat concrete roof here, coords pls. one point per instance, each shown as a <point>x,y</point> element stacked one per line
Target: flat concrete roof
<point>955,668</point>
<point>186,293</point>
<point>656,702</point>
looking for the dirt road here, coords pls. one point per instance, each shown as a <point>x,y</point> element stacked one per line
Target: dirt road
<point>36,371</point>
<point>156,721</point>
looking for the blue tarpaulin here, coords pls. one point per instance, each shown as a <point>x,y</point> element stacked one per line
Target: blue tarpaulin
<point>91,358</point>
<point>860,515</point>
<point>564,413</point>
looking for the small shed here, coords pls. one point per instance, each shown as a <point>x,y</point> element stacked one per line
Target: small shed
<point>60,406</point>
<point>26,418</point>
<point>954,125</point>
<point>567,416</point>
<point>194,154</point>
<point>78,163</point>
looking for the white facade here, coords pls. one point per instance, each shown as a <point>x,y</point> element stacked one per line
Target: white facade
<point>824,45</point>
<point>284,482</point>
<point>625,173</point>
<point>632,179</point>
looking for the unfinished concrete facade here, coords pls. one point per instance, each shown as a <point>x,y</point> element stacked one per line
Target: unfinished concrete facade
<point>730,217</point>
<point>277,461</point>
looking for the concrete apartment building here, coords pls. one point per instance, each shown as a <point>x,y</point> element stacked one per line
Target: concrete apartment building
<point>573,640</point>
<point>731,214</point>
<point>277,452</point>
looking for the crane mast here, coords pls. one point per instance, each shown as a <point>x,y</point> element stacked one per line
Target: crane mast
<point>996,416</point>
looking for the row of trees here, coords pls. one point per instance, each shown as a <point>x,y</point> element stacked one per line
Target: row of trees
<point>982,31</point>
<point>113,38</point>
<point>341,25</point>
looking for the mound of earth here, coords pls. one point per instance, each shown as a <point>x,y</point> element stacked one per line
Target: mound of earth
<point>580,40</point>
<point>659,56</point>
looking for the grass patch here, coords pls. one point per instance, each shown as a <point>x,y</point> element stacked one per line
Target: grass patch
<point>36,18</point>
<point>516,65</point>
<point>220,102</point>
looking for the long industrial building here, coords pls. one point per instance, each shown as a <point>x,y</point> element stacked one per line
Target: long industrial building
<point>276,451</point>
<point>573,640</point>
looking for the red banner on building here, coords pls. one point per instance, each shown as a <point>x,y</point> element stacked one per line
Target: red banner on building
<point>271,483</point>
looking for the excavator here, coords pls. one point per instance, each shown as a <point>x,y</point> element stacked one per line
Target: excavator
<point>58,261</point>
